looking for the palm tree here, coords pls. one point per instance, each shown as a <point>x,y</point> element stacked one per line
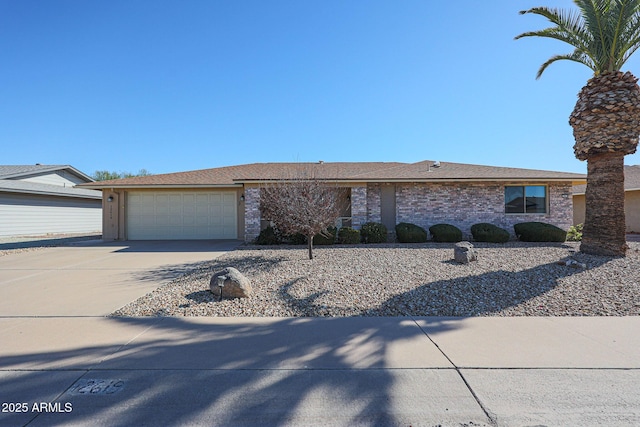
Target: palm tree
<point>606,118</point>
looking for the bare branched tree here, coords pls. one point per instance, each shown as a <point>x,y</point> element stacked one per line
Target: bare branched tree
<point>301,205</point>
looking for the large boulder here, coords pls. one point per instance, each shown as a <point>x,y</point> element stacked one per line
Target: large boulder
<point>230,283</point>
<point>464,253</point>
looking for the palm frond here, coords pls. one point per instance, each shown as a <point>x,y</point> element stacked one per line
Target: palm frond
<point>576,56</point>
<point>629,34</point>
<point>605,33</point>
<point>595,14</point>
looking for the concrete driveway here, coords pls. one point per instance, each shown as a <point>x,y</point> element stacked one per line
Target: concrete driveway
<point>94,279</point>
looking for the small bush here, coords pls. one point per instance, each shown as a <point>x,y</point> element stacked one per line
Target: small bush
<point>485,232</point>
<point>445,233</point>
<point>268,236</point>
<point>539,232</point>
<point>348,236</point>
<point>295,239</point>
<point>410,233</point>
<point>327,237</point>
<point>575,233</point>
<point>373,232</point>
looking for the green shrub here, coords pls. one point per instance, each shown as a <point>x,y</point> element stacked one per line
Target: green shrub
<point>575,233</point>
<point>295,239</point>
<point>373,232</point>
<point>268,236</point>
<point>539,232</point>
<point>410,233</point>
<point>445,233</point>
<point>485,232</point>
<point>348,236</point>
<point>327,237</point>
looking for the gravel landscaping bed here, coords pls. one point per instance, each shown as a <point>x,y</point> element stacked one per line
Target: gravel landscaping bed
<point>514,279</point>
<point>17,244</point>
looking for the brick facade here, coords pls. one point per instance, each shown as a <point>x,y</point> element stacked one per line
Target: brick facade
<point>251,213</point>
<point>466,204</point>
<point>426,204</point>
<point>358,206</point>
<point>373,203</point>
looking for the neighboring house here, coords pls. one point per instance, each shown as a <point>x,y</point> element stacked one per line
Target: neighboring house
<point>631,200</point>
<point>42,199</point>
<point>223,203</point>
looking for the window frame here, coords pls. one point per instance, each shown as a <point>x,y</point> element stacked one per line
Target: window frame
<point>524,197</point>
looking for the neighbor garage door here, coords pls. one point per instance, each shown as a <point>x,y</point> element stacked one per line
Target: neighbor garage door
<point>181,215</point>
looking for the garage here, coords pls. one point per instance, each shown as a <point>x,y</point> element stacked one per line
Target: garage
<point>177,215</point>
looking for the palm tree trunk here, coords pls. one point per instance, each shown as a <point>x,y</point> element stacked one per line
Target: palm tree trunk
<point>604,224</point>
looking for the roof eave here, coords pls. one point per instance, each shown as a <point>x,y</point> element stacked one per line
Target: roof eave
<point>159,186</point>
<point>574,181</point>
<point>97,196</point>
<point>50,169</point>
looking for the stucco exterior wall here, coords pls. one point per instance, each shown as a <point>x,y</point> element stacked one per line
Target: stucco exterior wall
<point>466,204</point>
<point>632,211</point>
<point>578,209</point>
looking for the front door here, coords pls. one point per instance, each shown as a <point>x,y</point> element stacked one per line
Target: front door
<point>388,206</point>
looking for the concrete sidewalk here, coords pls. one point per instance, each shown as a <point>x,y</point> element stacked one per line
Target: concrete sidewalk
<point>65,368</point>
<point>321,371</point>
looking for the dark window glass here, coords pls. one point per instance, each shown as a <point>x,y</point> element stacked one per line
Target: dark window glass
<point>525,199</point>
<point>514,199</point>
<point>536,199</point>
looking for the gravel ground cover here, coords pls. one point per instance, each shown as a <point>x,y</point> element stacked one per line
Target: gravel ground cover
<point>514,279</point>
<point>16,244</point>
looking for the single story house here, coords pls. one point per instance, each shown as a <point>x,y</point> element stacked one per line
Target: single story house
<point>631,200</point>
<point>223,203</point>
<point>42,199</point>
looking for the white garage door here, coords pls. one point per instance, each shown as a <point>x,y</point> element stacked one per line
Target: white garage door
<point>181,215</point>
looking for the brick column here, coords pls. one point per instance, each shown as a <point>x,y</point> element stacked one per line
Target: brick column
<point>358,206</point>
<point>373,203</point>
<point>561,205</point>
<point>251,213</point>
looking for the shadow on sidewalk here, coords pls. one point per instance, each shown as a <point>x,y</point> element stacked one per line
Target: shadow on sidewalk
<point>231,374</point>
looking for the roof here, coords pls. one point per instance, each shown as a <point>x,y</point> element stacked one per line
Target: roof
<point>424,171</point>
<point>631,180</point>
<point>17,186</point>
<point>17,171</point>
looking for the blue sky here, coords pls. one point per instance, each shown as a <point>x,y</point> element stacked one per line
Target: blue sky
<point>182,85</point>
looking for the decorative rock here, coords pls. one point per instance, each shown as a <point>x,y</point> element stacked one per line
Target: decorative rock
<point>464,253</point>
<point>234,284</point>
<point>573,264</point>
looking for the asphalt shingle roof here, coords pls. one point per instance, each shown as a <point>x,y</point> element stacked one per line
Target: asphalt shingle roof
<point>17,186</point>
<point>338,171</point>
<point>17,171</point>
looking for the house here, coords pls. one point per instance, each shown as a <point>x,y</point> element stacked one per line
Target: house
<point>223,203</point>
<point>42,199</point>
<point>631,200</point>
